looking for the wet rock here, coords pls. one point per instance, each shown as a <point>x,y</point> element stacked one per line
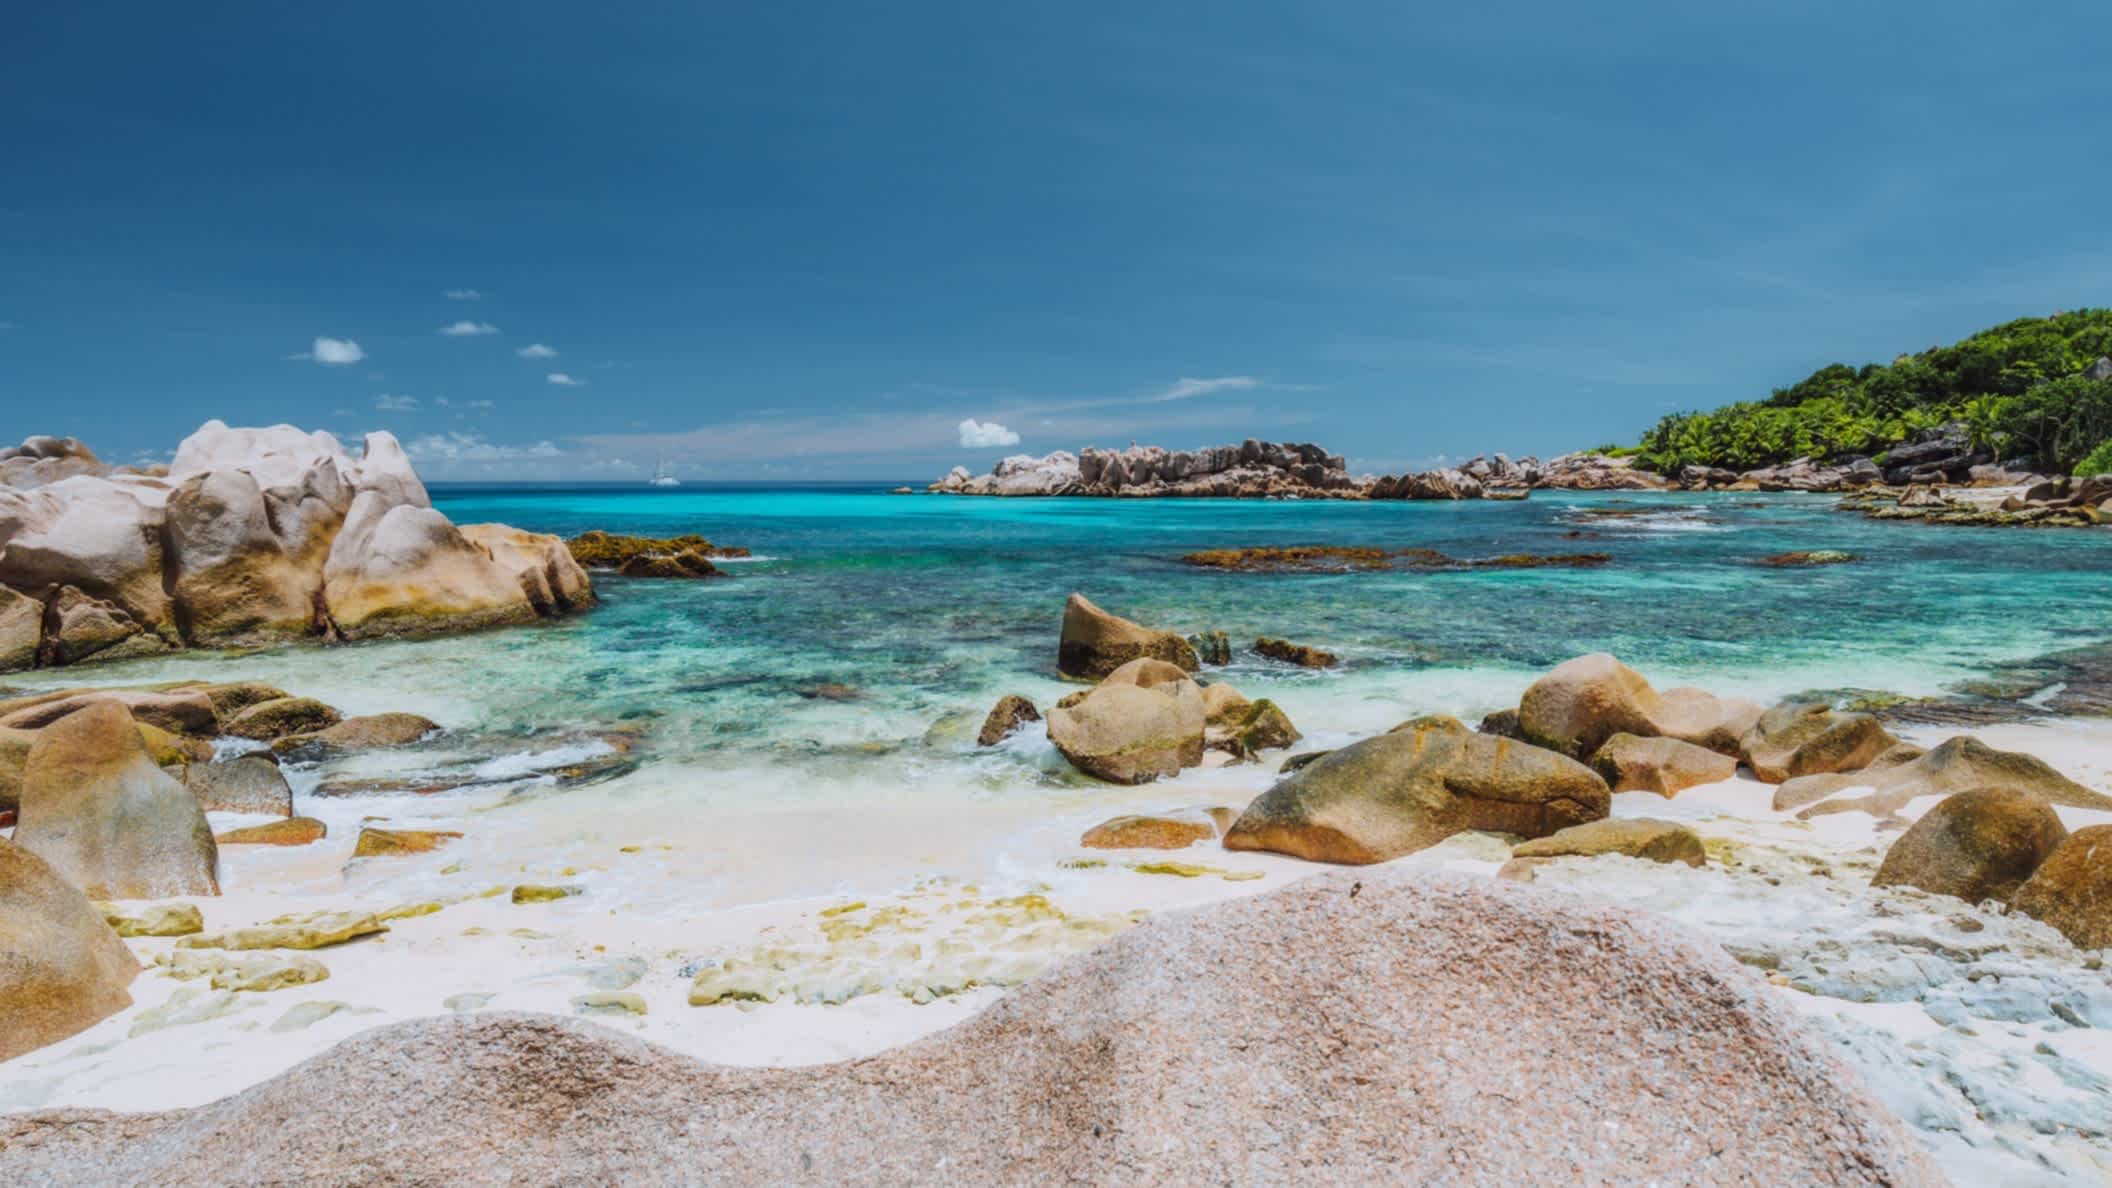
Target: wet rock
<point>366,732</point>
<point>1731,1084</point>
<point>1811,738</point>
<point>268,720</point>
<point>2072,889</point>
<point>1096,643</point>
<point>62,969</point>
<point>306,930</point>
<point>1636,837</point>
<point>294,831</point>
<point>1223,704</point>
<point>1212,648</point>
<point>1502,724</point>
<point>1959,765</point>
<point>161,919</point>
<point>607,550</point>
<point>1006,717</point>
<point>94,805</point>
<point>379,843</point>
<point>232,697</point>
<point>1978,845</point>
<point>1128,732</point>
<point>1175,830</point>
<point>1302,655</point>
<point>243,784</point>
<point>1413,787</point>
<point>78,626</point>
<point>1665,766</point>
<point>536,893</point>
<point>1583,702</point>
<point>1261,726</point>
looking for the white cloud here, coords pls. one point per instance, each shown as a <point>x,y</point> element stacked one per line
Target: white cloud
<point>388,402</point>
<point>565,381</point>
<point>1184,388</point>
<point>464,295</point>
<point>470,447</point>
<point>333,352</point>
<point>982,435</point>
<point>537,350</point>
<point>469,329</point>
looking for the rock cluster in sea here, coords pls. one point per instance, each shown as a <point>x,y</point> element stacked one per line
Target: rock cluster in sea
<point>1267,1039</point>
<point>250,536</point>
<point>2044,503</point>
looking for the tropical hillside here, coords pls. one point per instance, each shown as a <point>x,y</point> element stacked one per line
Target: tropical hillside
<point>2030,391</point>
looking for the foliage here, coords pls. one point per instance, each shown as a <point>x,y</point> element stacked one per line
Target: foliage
<point>2018,389</point>
<point>2097,461</point>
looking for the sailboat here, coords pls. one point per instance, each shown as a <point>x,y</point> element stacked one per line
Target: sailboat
<point>662,477</point>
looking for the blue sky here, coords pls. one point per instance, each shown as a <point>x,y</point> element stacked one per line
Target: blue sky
<point>810,240</point>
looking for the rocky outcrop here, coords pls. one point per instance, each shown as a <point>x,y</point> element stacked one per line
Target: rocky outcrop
<point>1978,845</point>
<point>1095,643</point>
<point>256,536</point>
<point>1583,702</point>
<point>2072,889</point>
<point>62,969</point>
<point>1905,773</point>
<point>1665,766</point>
<point>1811,738</point>
<point>1092,1074</point>
<point>1144,721</point>
<point>1302,655</point>
<point>1944,454</point>
<point>43,459</point>
<point>1414,787</point>
<point>596,549</point>
<point>95,806</point>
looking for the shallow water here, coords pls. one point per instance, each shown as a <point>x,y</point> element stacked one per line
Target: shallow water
<point>760,803</point>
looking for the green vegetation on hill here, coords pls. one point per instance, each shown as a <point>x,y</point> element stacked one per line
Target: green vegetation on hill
<point>2020,389</point>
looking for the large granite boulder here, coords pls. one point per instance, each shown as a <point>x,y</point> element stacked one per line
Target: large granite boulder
<point>1980,844</point>
<point>1583,702</point>
<point>179,711</point>
<point>96,807</point>
<point>241,784</point>
<point>1905,773</point>
<point>100,536</point>
<point>21,630</point>
<point>1665,766</point>
<point>1011,714</point>
<point>550,579</point>
<point>1800,738</point>
<point>80,625</point>
<point>404,569</point>
<point>1096,643</point>
<point>281,717</point>
<point>42,459</point>
<point>2072,889</point>
<point>1414,787</point>
<point>246,562</point>
<point>1380,1026</point>
<point>62,969</point>
<point>1134,727</point>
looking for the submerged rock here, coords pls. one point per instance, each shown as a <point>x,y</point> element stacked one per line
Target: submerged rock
<point>1096,643</point>
<point>1302,655</point>
<point>1080,1076</point>
<point>686,564</point>
<point>1212,647</point>
<point>2072,889</point>
<point>1583,702</point>
<point>96,807</point>
<point>608,550</point>
<point>1414,787</point>
<point>366,732</point>
<point>1980,844</point>
<point>62,969</point>
<point>1665,766</point>
<point>1006,718</point>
